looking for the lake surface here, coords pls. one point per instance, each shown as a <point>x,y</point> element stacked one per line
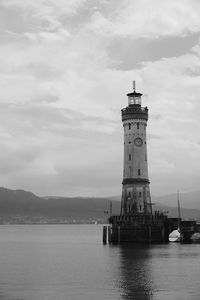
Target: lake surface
<point>61,262</point>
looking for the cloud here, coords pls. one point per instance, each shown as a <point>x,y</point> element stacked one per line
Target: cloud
<point>149,19</point>
<point>131,53</point>
<point>38,20</point>
<point>64,78</point>
<point>42,7</point>
<point>60,35</point>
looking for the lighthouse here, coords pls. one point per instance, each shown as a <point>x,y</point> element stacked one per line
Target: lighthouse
<point>136,223</point>
<point>135,191</point>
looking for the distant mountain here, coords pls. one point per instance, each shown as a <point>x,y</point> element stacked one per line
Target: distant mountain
<point>19,206</point>
<point>115,198</point>
<point>173,212</point>
<point>79,207</point>
<point>13,201</point>
<point>190,200</point>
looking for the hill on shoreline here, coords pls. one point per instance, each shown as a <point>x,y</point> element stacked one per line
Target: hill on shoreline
<point>19,206</point>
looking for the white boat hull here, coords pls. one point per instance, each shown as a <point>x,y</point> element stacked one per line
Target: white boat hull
<point>174,236</point>
<point>195,238</point>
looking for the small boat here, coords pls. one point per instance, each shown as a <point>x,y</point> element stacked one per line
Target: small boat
<point>195,238</point>
<point>175,235</point>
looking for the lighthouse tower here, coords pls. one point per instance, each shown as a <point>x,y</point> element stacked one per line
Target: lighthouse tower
<point>136,223</point>
<point>135,191</point>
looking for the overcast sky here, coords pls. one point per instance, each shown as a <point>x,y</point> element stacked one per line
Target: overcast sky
<point>65,69</point>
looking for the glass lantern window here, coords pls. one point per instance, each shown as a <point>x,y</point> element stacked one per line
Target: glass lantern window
<point>134,100</point>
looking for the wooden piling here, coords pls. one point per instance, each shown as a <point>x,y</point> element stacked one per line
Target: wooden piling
<point>109,234</point>
<point>149,233</point>
<point>104,235</point>
<point>119,235</point>
<point>163,233</point>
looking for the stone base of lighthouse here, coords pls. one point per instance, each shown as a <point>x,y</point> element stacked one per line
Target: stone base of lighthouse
<point>136,222</point>
<point>135,197</point>
<point>139,229</point>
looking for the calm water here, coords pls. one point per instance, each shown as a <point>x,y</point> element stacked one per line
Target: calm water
<point>61,262</point>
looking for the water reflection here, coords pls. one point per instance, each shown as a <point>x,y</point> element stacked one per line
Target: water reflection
<point>6,296</point>
<point>135,281</point>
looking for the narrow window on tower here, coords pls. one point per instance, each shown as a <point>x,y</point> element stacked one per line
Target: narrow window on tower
<point>129,147</point>
<point>129,126</point>
<point>130,171</point>
<point>129,157</point>
<point>138,125</point>
<point>138,172</point>
<point>129,194</point>
<point>140,194</point>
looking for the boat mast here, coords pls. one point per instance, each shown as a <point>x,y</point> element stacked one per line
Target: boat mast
<point>179,212</point>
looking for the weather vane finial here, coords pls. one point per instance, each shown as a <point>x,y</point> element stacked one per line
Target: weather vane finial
<point>134,85</point>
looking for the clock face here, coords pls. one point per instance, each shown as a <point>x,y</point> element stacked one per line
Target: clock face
<point>138,142</point>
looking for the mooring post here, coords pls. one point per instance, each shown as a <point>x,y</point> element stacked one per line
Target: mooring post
<point>104,234</point>
<point>149,233</point>
<point>109,234</point>
<point>163,233</point>
<point>119,235</point>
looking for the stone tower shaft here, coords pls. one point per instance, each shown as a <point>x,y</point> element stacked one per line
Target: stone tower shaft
<point>135,191</point>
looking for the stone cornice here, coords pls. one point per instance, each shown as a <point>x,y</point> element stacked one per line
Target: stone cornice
<point>135,181</point>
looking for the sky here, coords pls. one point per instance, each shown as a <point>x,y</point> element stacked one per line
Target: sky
<point>65,69</point>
